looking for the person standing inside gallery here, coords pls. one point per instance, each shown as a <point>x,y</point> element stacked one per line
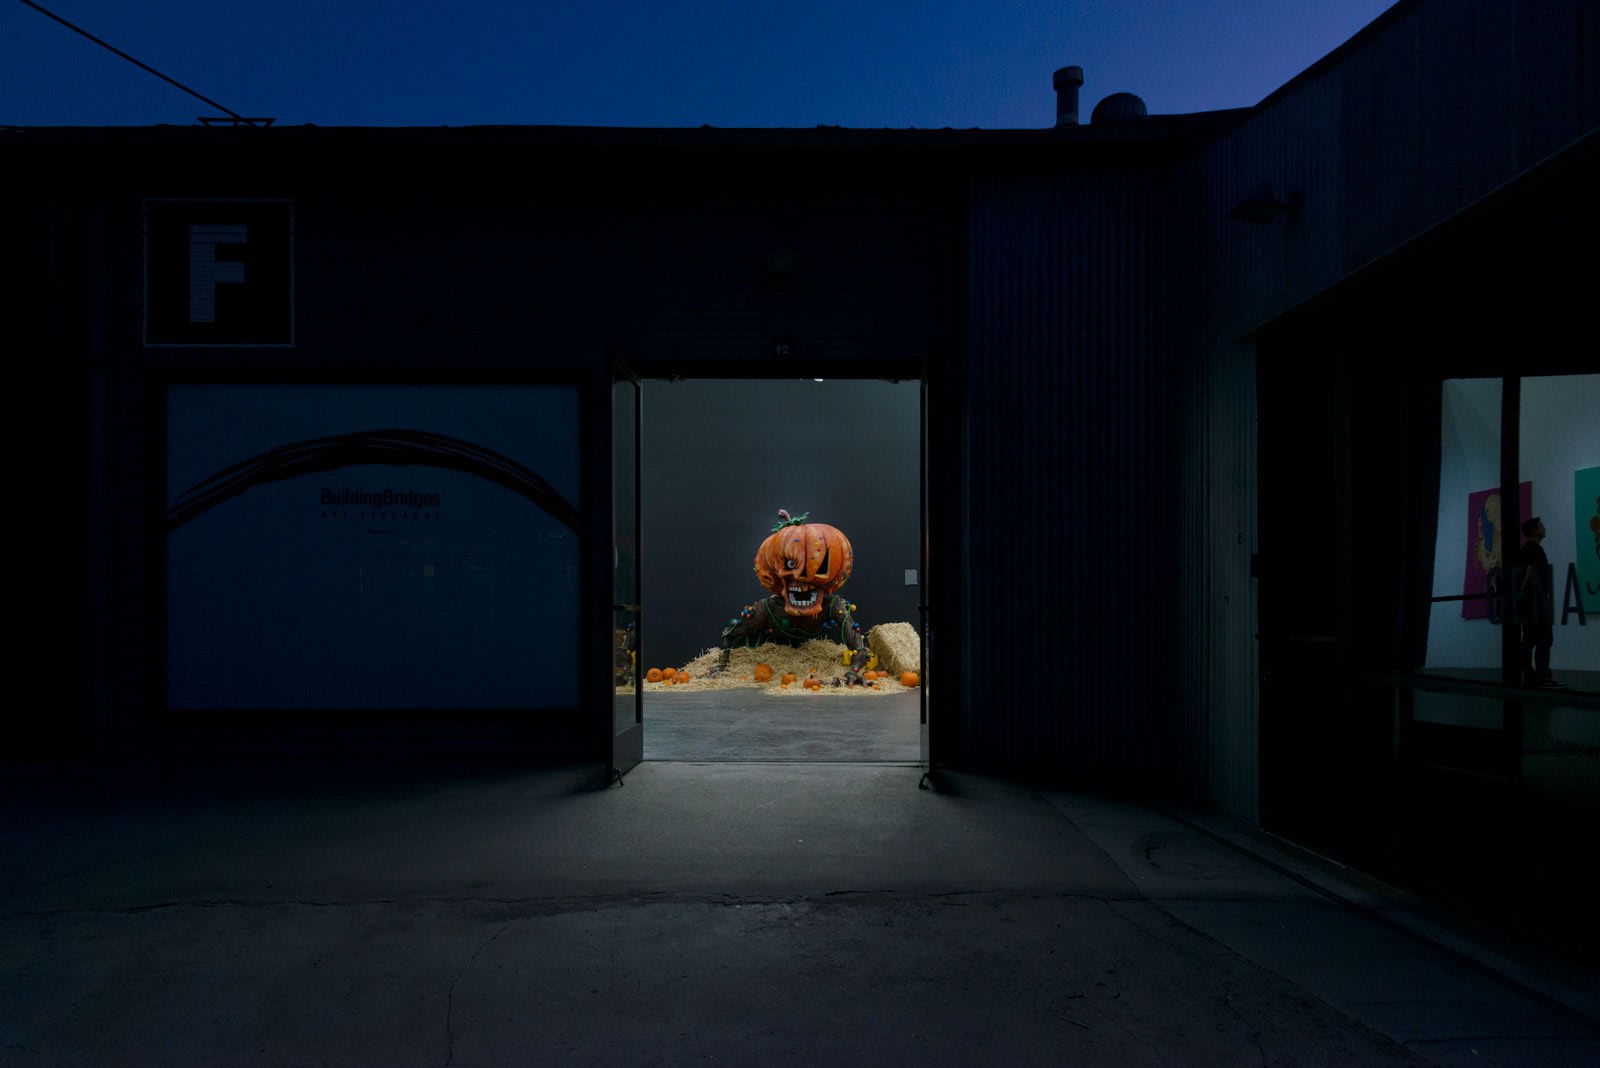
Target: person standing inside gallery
<point>1538,613</point>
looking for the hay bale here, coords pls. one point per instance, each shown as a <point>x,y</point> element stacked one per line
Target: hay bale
<point>897,646</point>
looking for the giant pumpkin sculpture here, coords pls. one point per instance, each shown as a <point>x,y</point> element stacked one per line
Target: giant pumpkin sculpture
<point>802,565</point>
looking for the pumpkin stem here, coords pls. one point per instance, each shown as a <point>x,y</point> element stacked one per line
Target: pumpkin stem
<point>783,514</point>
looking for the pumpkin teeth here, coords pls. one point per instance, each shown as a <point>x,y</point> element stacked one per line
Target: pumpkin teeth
<point>802,596</point>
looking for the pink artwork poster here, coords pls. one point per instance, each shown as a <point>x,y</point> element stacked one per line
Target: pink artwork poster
<point>1485,545</point>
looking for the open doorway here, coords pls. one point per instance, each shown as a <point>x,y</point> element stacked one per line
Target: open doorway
<point>720,457</point>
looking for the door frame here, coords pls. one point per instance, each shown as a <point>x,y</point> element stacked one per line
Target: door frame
<point>934,745</point>
<point>625,745</point>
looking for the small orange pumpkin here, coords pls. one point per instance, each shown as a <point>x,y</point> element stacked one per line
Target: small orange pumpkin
<point>683,676</point>
<point>789,677</point>
<point>653,675</point>
<point>763,672</point>
<point>909,678</point>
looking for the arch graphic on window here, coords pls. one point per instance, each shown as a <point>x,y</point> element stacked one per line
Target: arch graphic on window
<point>397,448</point>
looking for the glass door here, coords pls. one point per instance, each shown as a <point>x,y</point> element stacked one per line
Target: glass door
<point>627,690</point>
<point>925,639</point>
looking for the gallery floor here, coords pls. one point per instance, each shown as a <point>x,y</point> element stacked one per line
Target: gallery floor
<point>755,725</point>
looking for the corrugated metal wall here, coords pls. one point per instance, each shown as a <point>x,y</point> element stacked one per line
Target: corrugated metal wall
<point>1070,517</point>
<point>1435,106</point>
<point>1215,606</point>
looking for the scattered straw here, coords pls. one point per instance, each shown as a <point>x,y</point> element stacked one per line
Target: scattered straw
<point>819,657</point>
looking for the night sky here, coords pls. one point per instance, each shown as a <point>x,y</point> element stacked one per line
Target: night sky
<point>728,63</point>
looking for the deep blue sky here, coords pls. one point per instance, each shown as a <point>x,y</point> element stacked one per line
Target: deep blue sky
<point>864,63</point>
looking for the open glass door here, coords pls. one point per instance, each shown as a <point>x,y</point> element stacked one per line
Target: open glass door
<point>922,601</point>
<point>627,697</point>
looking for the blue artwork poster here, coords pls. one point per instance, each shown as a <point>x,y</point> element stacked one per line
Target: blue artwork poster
<point>366,547</point>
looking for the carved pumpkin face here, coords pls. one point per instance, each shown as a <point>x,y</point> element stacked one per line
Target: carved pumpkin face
<point>804,562</point>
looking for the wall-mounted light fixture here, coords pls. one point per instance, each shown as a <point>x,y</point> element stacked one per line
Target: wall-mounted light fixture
<point>1262,205</point>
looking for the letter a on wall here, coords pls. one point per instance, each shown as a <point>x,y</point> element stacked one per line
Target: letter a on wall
<point>218,272</point>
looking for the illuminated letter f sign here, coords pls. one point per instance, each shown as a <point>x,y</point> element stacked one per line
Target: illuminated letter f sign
<point>206,272</point>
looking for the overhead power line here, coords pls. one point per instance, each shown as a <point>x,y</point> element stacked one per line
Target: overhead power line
<point>233,117</point>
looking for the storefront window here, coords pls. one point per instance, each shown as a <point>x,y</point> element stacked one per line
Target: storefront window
<point>1490,620</point>
<point>1559,464</point>
<point>370,547</point>
<point>1479,545</point>
<point>1469,557</point>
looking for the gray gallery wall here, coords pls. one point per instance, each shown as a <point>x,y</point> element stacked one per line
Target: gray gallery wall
<point>720,457</point>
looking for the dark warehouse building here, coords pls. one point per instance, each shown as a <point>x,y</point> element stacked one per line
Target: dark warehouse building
<point>1185,432</point>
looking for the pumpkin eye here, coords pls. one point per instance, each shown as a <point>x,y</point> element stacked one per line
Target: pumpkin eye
<point>790,564</point>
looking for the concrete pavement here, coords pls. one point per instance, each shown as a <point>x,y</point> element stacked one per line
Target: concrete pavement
<point>721,912</point>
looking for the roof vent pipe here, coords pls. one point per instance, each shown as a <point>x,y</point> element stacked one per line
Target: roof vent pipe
<point>1067,82</point>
